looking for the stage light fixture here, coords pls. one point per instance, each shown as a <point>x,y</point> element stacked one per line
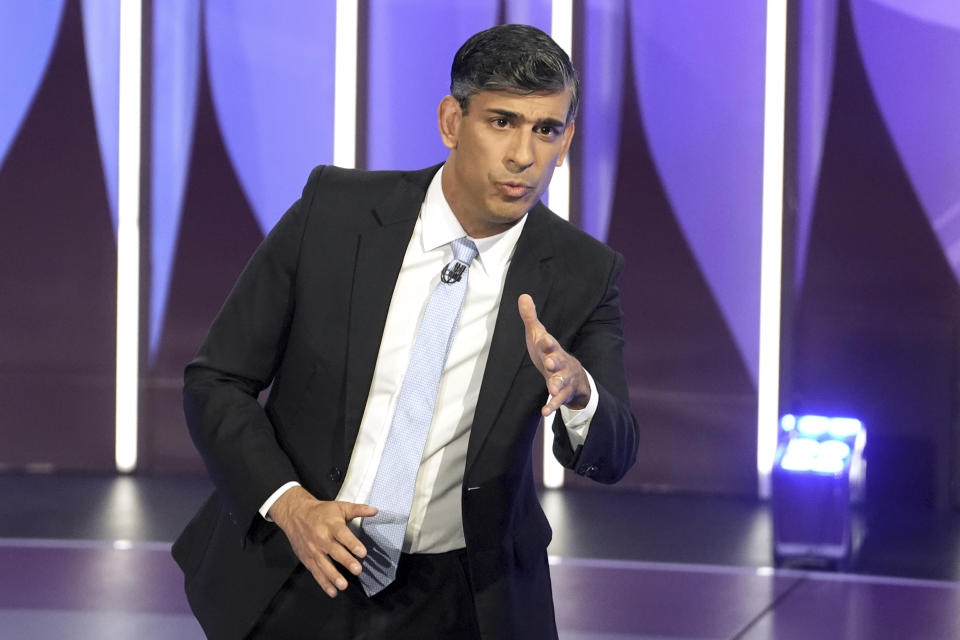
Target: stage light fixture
<point>819,471</point>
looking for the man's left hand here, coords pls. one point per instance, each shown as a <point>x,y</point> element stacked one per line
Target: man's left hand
<point>565,377</point>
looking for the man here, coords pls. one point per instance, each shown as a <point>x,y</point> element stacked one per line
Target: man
<point>336,309</point>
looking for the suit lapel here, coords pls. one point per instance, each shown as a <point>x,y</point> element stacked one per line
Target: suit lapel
<point>530,272</point>
<point>379,256</point>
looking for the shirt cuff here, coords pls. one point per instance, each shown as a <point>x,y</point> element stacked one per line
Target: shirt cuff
<point>265,509</point>
<point>577,421</point>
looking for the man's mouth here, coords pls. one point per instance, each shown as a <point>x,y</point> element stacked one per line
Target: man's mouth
<point>514,189</point>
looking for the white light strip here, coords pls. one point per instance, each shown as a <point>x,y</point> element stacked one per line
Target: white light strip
<point>561,30</point>
<point>768,384</point>
<point>561,24</point>
<point>559,193</point>
<point>553,471</point>
<point>345,86</point>
<point>128,237</point>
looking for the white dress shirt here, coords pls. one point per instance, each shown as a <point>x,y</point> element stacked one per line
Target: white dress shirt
<point>435,523</point>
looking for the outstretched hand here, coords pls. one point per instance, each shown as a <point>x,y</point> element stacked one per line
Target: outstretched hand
<point>319,535</point>
<point>565,377</point>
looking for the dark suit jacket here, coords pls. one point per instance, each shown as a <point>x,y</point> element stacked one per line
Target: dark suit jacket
<point>307,315</point>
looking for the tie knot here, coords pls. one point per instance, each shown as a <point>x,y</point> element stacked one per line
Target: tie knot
<point>464,250</point>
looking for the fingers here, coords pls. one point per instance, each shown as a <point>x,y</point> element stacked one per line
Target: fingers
<point>322,540</point>
<point>564,376</point>
<point>327,576</point>
<point>528,310</point>
<point>352,510</point>
<point>528,313</point>
<point>540,343</point>
<point>562,391</point>
<point>557,383</point>
<point>349,542</point>
<point>540,340</point>
<point>346,560</point>
<point>556,401</point>
<point>345,536</point>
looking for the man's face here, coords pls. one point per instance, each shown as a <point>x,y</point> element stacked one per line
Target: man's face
<point>502,155</point>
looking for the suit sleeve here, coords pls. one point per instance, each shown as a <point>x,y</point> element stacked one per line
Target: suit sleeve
<point>610,448</point>
<point>236,361</point>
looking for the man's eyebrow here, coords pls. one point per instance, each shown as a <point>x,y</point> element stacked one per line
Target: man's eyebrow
<point>512,116</point>
<point>553,122</point>
<point>509,115</point>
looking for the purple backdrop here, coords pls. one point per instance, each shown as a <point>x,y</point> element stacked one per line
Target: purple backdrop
<point>667,167</point>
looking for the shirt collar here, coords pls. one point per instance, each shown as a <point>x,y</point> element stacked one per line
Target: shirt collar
<point>439,227</point>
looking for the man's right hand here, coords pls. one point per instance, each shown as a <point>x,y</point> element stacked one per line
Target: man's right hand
<point>319,534</point>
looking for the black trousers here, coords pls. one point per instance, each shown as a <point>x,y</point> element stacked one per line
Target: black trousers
<point>430,599</point>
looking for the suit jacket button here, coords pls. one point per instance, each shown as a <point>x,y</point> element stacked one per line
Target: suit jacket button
<point>335,474</point>
<point>588,470</point>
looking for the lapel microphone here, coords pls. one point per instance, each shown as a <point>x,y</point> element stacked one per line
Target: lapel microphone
<point>450,274</point>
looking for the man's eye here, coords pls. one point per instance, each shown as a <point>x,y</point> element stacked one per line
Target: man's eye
<point>500,123</point>
<point>547,131</point>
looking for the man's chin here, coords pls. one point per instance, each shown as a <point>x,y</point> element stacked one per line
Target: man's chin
<point>514,207</point>
<point>511,214</point>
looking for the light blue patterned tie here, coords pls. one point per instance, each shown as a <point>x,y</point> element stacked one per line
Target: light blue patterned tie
<point>392,491</point>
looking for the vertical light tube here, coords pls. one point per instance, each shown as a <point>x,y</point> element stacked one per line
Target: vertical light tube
<point>345,86</point>
<point>768,385</point>
<point>561,30</point>
<point>128,237</point>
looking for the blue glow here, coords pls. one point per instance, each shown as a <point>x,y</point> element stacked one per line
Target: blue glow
<point>834,449</point>
<point>800,454</point>
<point>832,457</point>
<point>845,427</point>
<point>813,425</point>
<point>808,454</point>
<point>824,464</point>
<point>819,444</point>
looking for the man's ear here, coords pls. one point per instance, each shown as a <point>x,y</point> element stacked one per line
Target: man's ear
<point>567,138</point>
<point>449,117</point>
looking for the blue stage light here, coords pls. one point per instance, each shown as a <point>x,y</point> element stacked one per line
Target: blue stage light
<point>845,427</point>
<point>834,449</point>
<point>800,454</point>
<point>813,425</point>
<point>831,457</point>
<point>788,422</point>
<point>818,471</point>
<point>818,443</point>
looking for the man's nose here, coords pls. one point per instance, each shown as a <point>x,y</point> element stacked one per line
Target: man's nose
<point>519,154</point>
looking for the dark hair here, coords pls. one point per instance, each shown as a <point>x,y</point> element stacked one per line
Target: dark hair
<point>516,58</point>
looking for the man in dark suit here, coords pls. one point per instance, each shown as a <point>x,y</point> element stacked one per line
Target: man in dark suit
<point>327,311</point>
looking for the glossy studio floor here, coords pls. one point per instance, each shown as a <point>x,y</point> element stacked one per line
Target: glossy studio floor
<point>87,556</point>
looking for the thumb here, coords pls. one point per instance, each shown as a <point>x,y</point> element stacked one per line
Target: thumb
<point>352,510</point>
<point>528,312</point>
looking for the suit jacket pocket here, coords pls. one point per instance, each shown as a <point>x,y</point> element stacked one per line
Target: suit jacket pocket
<point>532,537</point>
